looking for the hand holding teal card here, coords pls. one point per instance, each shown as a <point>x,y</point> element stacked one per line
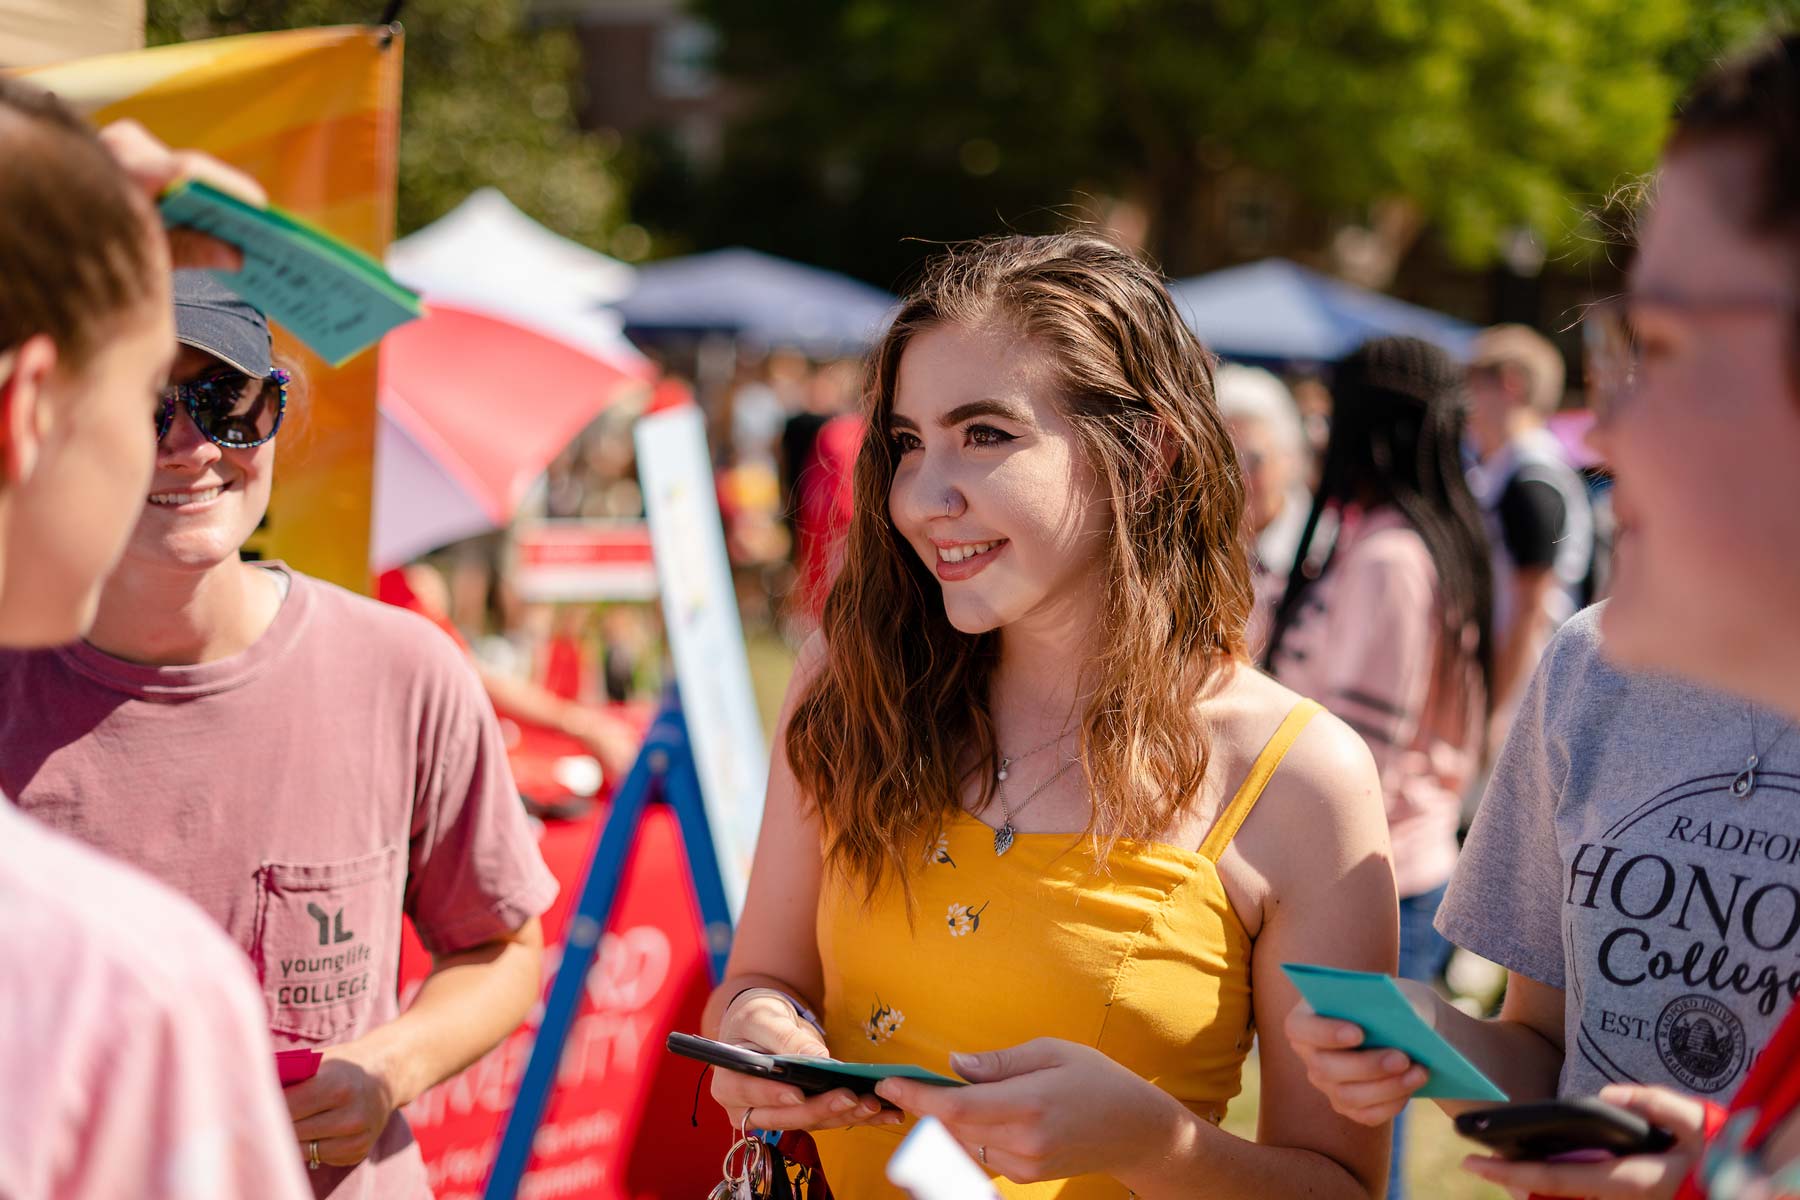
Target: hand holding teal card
<point>1388,1021</point>
<point>330,295</point>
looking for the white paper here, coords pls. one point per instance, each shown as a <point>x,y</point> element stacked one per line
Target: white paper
<point>929,1165</point>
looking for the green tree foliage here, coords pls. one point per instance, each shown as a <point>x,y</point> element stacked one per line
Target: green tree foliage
<point>488,100</point>
<point>876,119</point>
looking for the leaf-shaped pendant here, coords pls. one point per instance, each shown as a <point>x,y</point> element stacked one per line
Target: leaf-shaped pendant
<point>1003,839</point>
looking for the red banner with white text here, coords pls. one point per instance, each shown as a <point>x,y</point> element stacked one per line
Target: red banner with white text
<point>620,1123</point>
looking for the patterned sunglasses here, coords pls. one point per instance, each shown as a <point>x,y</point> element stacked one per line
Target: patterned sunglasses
<point>233,410</point>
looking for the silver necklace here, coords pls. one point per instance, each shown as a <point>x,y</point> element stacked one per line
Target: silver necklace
<point>1745,783</point>
<point>1006,763</point>
<point>1003,836</point>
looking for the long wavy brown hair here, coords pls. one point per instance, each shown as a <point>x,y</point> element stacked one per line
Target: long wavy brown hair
<point>897,716</point>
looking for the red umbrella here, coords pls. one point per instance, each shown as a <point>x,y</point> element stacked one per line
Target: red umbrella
<point>474,408</point>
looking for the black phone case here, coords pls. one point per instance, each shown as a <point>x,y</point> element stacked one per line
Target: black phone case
<point>811,1080</point>
<point>1545,1130</point>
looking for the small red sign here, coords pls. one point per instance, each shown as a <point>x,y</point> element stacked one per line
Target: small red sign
<point>584,561</point>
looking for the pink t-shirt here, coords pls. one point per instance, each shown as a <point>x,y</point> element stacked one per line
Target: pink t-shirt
<point>344,769</point>
<point>1365,645</point>
<point>132,1047</point>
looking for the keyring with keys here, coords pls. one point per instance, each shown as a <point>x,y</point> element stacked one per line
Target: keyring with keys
<point>756,1168</point>
<point>749,1171</point>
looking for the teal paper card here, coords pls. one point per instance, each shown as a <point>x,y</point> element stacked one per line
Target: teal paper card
<point>330,295</point>
<point>1388,1021</point>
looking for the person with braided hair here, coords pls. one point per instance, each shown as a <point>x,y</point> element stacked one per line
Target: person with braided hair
<point>1385,617</point>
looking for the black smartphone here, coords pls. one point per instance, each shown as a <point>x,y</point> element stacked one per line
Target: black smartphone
<point>1556,1127</point>
<point>812,1076</point>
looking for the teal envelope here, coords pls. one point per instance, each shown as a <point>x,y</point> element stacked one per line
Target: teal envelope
<point>1389,1022</point>
<point>330,295</point>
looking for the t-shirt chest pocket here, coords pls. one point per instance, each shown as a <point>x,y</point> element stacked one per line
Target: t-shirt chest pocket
<point>326,937</point>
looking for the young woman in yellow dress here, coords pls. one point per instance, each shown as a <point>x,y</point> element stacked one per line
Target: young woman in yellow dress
<point>1033,818</point>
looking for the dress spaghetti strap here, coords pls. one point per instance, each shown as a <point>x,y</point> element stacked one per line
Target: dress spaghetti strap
<point>1226,827</point>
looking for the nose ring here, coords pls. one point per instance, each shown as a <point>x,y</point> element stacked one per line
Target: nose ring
<point>947,504</point>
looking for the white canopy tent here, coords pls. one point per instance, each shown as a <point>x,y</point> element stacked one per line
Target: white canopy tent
<point>487,256</point>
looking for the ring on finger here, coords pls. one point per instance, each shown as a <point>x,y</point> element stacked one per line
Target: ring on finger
<point>312,1155</point>
<point>981,1153</point>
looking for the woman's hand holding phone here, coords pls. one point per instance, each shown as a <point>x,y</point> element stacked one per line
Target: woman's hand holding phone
<point>762,1020</point>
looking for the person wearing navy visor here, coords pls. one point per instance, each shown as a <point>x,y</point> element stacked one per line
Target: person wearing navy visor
<point>306,764</point>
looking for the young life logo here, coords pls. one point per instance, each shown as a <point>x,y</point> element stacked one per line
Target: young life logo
<point>331,925</point>
<point>330,970</point>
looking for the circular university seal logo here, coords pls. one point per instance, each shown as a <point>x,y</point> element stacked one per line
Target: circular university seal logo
<point>1701,1042</point>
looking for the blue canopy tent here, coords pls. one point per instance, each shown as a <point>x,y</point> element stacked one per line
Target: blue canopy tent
<point>759,299</point>
<point>1279,311</point>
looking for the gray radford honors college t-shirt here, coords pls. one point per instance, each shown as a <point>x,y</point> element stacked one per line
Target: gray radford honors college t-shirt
<point>1610,859</point>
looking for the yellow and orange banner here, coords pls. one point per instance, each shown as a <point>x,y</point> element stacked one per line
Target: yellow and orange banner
<point>314,115</point>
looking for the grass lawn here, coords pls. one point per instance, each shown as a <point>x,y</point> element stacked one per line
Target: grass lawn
<point>1432,1150</point>
<point>771,663</point>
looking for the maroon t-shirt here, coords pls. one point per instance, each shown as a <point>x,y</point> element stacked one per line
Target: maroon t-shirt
<point>344,769</point>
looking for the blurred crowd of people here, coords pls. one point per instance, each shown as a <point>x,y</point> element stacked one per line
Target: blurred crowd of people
<point>784,429</point>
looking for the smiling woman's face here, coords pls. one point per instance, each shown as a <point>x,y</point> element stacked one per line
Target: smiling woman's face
<point>204,501</point>
<point>992,487</point>
<point>1706,443</point>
